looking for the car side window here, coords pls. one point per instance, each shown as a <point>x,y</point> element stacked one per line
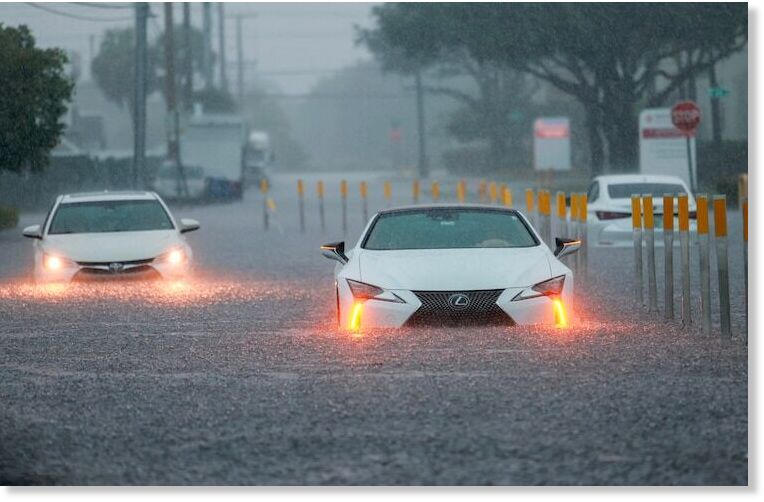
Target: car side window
<point>594,191</point>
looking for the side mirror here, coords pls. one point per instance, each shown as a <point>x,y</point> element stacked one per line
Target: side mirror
<point>33,232</point>
<point>335,251</point>
<point>188,225</point>
<point>564,247</point>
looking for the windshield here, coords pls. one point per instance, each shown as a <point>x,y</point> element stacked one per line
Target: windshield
<point>626,190</point>
<point>110,216</point>
<point>448,228</point>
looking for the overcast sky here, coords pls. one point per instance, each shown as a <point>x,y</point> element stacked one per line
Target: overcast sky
<point>291,44</point>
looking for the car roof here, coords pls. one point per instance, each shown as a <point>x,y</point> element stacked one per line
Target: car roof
<point>443,206</point>
<point>107,195</point>
<point>639,178</point>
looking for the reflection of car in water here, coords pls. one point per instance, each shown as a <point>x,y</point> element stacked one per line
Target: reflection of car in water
<point>107,235</point>
<point>609,205</point>
<point>258,157</point>
<point>450,265</point>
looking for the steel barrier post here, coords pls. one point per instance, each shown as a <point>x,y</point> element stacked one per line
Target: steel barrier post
<point>364,189</point>
<point>668,256</point>
<point>636,224</point>
<point>652,282</point>
<point>722,264</point>
<point>344,197</point>
<point>684,242</point>
<point>301,197</point>
<point>705,278</point>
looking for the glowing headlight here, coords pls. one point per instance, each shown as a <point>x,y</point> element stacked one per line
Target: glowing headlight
<point>53,262</point>
<point>550,287</point>
<point>362,292</point>
<point>173,257</point>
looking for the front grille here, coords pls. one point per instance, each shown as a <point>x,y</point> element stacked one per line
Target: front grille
<point>143,272</point>
<point>481,309</point>
<point>106,263</point>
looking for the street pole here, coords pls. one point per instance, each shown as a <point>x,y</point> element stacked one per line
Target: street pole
<point>239,61</point>
<point>422,165</point>
<point>221,46</point>
<point>173,129</point>
<point>693,185</point>
<point>716,124</point>
<point>207,43</point>
<point>139,111</point>
<point>188,60</point>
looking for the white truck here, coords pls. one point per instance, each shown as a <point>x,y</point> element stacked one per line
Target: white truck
<point>258,157</point>
<point>211,154</point>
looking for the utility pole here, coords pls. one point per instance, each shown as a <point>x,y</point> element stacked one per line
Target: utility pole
<point>207,37</point>
<point>423,165</point>
<point>239,61</point>
<point>221,47</point>
<point>139,111</point>
<point>188,60</point>
<point>716,119</point>
<point>173,129</point>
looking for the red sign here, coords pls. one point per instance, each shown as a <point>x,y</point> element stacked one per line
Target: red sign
<point>685,116</point>
<point>545,129</point>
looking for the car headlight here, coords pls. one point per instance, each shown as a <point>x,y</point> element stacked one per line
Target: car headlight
<point>174,256</point>
<point>54,262</point>
<point>362,292</point>
<point>550,287</point>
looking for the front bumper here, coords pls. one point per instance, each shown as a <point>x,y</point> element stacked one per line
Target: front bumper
<point>498,310</point>
<point>139,270</point>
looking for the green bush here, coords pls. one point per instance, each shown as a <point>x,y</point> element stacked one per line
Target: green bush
<point>9,217</point>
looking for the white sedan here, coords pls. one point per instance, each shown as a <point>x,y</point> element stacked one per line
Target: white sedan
<point>609,206</point>
<point>450,265</point>
<point>110,235</point>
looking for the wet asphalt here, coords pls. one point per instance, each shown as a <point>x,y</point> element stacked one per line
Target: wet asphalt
<point>238,375</point>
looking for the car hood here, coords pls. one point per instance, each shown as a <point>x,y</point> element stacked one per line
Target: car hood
<point>112,246</point>
<point>455,269</point>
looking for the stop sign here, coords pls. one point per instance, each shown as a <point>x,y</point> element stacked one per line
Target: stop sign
<point>685,116</point>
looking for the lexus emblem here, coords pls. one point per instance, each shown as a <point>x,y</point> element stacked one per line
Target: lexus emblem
<point>459,301</point>
<point>116,268</point>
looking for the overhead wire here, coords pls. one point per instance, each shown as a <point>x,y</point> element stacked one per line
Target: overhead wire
<point>78,16</point>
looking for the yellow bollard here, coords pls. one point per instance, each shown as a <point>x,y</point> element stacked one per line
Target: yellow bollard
<point>722,264</point>
<point>365,206</point>
<point>320,194</point>
<point>529,200</point>
<point>435,188</point>
<point>506,196</point>
<point>545,212</point>
<point>264,191</point>
<point>481,191</point>
<point>415,191</point>
<point>388,192</point>
<point>636,232</point>
<point>301,197</point>
<point>583,215</point>
<point>705,263</point>
<point>460,189</point>
<point>492,192</point>
<point>652,282</point>
<point>668,256</point>
<point>344,197</point>
<point>562,214</point>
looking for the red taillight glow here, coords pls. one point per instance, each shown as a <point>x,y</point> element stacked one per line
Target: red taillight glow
<point>611,215</point>
<point>560,318</point>
<point>355,316</point>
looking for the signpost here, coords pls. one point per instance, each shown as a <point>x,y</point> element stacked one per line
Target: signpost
<point>551,144</point>
<point>685,116</point>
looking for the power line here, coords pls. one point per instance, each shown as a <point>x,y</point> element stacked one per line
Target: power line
<point>78,16</point>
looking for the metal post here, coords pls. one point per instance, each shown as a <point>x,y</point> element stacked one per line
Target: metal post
<point>388,192</point>
<point>722,264</point>
<point>652,282</point>
<point>300,196</point>
<point>705,278</point>
<point>668,255</point>
<point>239,61</point>
<point>188,60</point>
<point>744,207</point>
<point>173,129</point>
<point>344,197</point>
<point>583,214</point>
<point>221,46</point>
<point>415,191</point>
<point>364,193</point>
<point>207,43</point>
<point>435,191</point>
<point>423,165</point>
<point>320,193</point>
<point>562,215</point>
<point>529,204</point>
<point>264,191</point>
<point>574,227</point>
<point>636,224</point>
<point>684,241</point>
<point>139,112</point>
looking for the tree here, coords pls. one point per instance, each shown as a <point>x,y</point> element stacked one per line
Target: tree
<point>197,55</point>
<point>610,57</point>
<point>113,67</point>
<point>35,92</point>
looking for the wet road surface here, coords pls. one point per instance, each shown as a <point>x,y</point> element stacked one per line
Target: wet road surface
<point>239,376</point>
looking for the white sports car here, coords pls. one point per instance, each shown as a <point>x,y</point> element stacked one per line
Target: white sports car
<point>609,206</point>
<point>110,235</point>
<point>450,265</point>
